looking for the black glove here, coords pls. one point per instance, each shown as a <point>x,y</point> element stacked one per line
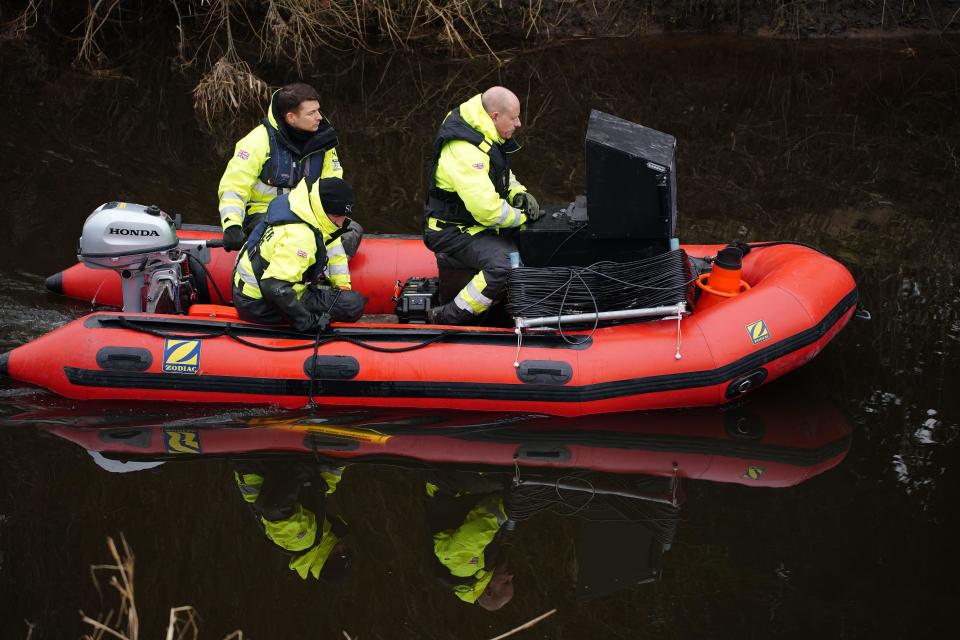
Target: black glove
<point>280,294</point>
<point>529,205</point>
<point>233,238</point>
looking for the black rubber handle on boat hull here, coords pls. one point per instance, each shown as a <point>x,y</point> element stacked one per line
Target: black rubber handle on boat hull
<point>320,442</point>
<point>124,359</point>
<point>552,453</point>
<point>544,372</point>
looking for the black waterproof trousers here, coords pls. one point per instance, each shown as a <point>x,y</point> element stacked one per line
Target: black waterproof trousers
<point>488,253</point>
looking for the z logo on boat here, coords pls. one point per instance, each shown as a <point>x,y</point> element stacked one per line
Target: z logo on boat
<point>181,356</point>
<point>758,331</point>
<point>181,441</point>
<point>753,472</point>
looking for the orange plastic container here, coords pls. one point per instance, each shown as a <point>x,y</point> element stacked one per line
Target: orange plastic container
<point>723,282</point>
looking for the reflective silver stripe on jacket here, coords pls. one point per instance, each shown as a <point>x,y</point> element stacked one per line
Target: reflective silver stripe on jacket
<point>269,190</point>
<point>246,276</point>
<point>508,213</point>
<point>337,269</point>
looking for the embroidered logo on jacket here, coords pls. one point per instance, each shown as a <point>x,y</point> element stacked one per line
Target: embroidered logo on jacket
<point>478,165</point>
<point>243,155</point>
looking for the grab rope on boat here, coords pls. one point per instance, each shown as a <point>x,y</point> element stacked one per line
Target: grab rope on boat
<point>227,331</point>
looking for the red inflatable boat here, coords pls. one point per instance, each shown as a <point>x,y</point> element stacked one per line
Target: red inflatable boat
<point>792,301</point>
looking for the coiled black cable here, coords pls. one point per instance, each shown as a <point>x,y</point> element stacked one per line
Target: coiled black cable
<point>207,275</point>
<point>661,280</point>
<point>523,501</point>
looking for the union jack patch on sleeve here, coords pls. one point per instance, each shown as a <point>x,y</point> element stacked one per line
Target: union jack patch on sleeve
<point>243,155</point>
<point>301,253</point>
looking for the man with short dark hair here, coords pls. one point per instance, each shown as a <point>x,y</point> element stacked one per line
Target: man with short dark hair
<point>294,142</point>
<point>474,200</point>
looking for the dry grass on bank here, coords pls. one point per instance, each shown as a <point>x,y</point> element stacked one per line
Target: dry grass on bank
<point>229,86</point>
<point>23,23</point>
<point>123,623</point>
<point>222,38</point>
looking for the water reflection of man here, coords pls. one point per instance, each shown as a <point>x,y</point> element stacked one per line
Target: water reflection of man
<point>294,142</point>
<point>289,501</point>
<point>468,544</point>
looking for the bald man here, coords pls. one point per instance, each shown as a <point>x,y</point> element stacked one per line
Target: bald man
<point>474,201</point>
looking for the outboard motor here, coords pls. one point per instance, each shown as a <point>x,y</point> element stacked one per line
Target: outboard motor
<point>140,243</point>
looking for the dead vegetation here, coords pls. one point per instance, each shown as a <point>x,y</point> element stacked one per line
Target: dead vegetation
<point>123,622</point>
<point>221,40</point>
<point>23,23</point>
<point>226,43</point>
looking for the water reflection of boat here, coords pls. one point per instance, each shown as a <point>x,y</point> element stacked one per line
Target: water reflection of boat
<point>771,441</point>
<point>618,475</point>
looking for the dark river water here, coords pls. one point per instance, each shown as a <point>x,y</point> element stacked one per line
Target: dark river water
<point>821,507</point>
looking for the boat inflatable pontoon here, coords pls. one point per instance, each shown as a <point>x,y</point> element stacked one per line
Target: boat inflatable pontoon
<point>797,302</point>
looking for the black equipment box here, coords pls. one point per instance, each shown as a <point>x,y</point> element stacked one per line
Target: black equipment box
<point>631,180</point>
<point>416,299</point>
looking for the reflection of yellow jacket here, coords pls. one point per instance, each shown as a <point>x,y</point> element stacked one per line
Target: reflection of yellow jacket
<point>291,249</point>
<point>310,542</point>
<point>464,168</point>
<point>242,192</point>
<point>462,550</point>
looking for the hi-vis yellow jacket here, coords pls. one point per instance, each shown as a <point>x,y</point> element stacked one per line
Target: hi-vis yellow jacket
<point>243,190</point>
<point>462,550</point>
<point>464,168</point>
<point>290,250</point>
<point>309,542</point>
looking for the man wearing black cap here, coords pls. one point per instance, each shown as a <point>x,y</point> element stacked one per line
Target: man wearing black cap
<point>289,500</point>
<point>293,247</point>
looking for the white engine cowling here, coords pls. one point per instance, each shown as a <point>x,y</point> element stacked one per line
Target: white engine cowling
<point>121,235</point>
<point>139,243</point>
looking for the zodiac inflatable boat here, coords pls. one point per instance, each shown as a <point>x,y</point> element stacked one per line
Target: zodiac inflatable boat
<point>600,314</point>
<point>794,301</point>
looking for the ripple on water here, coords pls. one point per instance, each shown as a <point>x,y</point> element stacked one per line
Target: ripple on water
<point>27,310</point>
